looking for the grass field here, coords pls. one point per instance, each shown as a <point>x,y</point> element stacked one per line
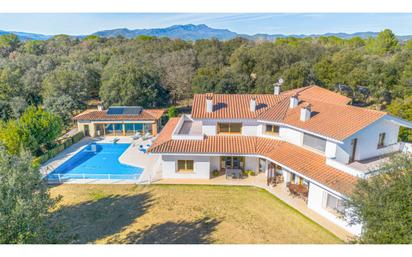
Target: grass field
<point>182,214</point>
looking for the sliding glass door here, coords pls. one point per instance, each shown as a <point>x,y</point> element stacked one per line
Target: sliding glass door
<point>232,162</point>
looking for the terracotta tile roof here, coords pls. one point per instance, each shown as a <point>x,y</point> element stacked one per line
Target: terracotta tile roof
<point>332,120</point>
<point>323,95</point>
<point>147,114</point>
<point>308,163</point>
<point>333,117</point>
<point>312,165</point>
<point>233,106</point>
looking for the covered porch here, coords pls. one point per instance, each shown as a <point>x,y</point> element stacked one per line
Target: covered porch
<point>122,129</point>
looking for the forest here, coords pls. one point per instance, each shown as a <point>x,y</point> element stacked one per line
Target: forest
<point>63,74</point>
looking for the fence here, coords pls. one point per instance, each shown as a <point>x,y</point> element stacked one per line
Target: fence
<point>63,144</point>
<point>61,177</point>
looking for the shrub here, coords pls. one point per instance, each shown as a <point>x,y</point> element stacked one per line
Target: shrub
<point>249,173</point>
<point>215,173</point>
<point>172,112</point>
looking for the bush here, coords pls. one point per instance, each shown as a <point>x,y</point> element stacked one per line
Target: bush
<point>215,173</point>
<point>249,173</point>
<point>171,112</point>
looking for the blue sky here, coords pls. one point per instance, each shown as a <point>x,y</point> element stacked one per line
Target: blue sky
<point>282,23</point>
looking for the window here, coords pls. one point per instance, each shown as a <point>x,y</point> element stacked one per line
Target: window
<point>314,142</point>
<point>232,162</point>
<point>272,129</point>
<point>334,204</point>
<point>381,141</point>
<point>229,128</point>
<point>185,166</point>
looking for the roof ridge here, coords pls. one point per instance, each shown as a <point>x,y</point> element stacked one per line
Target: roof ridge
<point>344,105</point>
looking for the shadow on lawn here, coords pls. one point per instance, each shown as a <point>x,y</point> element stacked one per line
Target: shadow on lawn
<point>184,232</point>
<point>92,220</point>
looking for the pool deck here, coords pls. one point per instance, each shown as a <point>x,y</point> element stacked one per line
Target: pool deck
<point>132,157</point>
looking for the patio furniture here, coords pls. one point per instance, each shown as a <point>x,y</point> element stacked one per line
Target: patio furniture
<point>300,191</point>
<point>147,136</point>
<point>137,136</point>
<point>234,173</point>
<point>114,140</point>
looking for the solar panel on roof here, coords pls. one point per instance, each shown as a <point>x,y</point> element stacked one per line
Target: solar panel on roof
<point>124,110</point>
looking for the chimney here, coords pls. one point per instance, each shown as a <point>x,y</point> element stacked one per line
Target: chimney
<point>276,88</point>
<point>294,101</point>
<point>252,104</point>
<point>305,112</point>
<point>209,103</point>
<point>100,107</point>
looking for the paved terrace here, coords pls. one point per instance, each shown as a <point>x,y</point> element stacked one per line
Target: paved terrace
<point>279,191</point>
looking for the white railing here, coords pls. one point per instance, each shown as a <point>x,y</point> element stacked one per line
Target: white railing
<point>152,174</point>
<point>343,167</point>
<point>405,147</point>
<point>62,177</point>
<point>177,136</point>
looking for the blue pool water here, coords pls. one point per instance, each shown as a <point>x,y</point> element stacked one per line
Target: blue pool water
<point>103,163</point>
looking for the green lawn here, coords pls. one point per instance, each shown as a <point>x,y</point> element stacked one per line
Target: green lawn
<point>182,214</point>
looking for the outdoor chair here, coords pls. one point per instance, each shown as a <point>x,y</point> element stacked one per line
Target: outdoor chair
<point>136,136</point>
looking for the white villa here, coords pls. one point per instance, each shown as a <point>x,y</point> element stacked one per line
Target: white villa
<point>308,139</point>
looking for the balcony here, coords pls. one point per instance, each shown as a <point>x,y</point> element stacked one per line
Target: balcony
<point>367,167</point>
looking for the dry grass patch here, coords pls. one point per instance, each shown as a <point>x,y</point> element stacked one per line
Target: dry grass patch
<point>182,214</point>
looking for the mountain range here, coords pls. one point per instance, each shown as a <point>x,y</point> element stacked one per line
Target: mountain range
<point>195,32</point>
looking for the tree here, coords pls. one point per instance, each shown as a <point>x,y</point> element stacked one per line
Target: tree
<point>63,106</point>
<point>297,75</point>
<point>35,47</point>
<point>10,136</point>
<point>403,108</point>
<point>8,43</point>
<point>38,128</point>
<point>130,84</point>
<point>75,79</point>
<point>382,204</point>
<point>25,203</point>
<point>386,42</point>
<point>35,128</point>
<point>5,111</point>
<point>177,72</point>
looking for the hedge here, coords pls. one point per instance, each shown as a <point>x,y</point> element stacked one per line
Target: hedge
<point>63,144</point>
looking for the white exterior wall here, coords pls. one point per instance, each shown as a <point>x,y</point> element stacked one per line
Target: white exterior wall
<point>249,127</point>
<point>252,163</point>
<point>209,127</point>
<point>214,163</point>
<point>330,150</point>
<point>368,141</point>
<point>201,167</point>
<point>316,203</point>
<point>290,135</point>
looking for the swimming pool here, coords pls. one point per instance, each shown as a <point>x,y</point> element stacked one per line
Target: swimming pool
<point>96,161</point>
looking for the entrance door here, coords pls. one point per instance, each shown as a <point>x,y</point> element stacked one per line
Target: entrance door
<point>86,130</point>
<point>354,142</point>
